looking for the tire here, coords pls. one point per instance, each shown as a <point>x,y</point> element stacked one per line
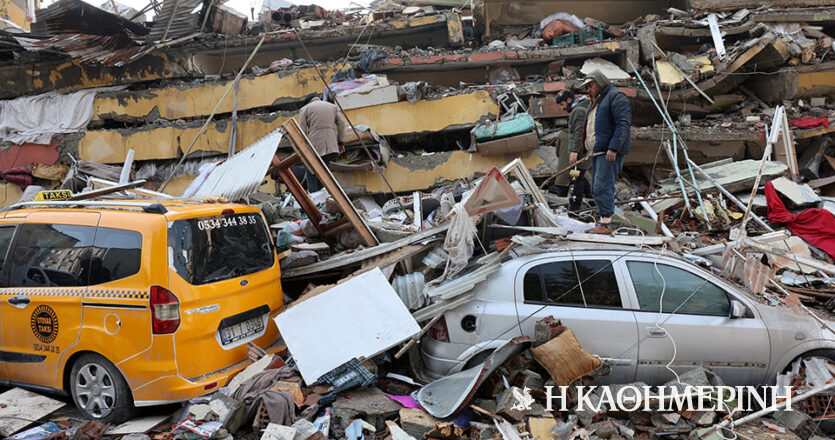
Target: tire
<point>826,426</point>
<point>99,390</point>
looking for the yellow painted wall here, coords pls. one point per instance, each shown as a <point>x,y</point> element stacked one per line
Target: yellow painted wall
<point>404,117</point>
<point>811,79</point>
<point>182,102</point>
<point>111,146</point>
<point>74,74</point>
<point>17,14</point>
<point>460,164</point>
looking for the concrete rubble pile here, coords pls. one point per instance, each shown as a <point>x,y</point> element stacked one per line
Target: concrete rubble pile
<point>444,192</point>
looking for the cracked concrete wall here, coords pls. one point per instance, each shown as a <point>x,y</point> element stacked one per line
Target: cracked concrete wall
<point>800,82</point>
<point>413,172</point>
<point>155,142</point>
<point>195,100</point>
<point>48,76</point>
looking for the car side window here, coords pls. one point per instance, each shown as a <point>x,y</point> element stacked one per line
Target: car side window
<point>6,234</point>
<point>116,254</point>
<point>684,292</point>
<point>52,255</point>
<point>585,283</point>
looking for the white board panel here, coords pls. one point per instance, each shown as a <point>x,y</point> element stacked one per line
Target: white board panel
<point>358,318</point>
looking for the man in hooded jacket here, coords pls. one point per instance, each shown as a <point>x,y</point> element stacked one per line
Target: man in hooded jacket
<point>607,129</point>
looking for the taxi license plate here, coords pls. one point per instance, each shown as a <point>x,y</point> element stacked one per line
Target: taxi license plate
<point>241,330</point>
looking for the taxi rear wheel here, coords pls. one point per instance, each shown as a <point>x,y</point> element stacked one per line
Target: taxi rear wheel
<point>99,390</point>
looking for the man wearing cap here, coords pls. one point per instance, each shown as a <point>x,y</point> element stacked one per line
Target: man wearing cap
<point>606,130</point>
<point>324,128</point>
<point>577,107</point>
<point>321,122</point>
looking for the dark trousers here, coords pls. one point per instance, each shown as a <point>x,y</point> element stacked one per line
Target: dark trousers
<point>578,189</point>
<point>307,178</point>
<point>605,175</point>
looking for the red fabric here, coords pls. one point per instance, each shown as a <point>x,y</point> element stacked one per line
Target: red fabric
<point>817,226</point>
<point>20,175</point>
<point>810,122</point>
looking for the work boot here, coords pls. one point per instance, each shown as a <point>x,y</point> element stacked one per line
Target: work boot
<point>601,228</point>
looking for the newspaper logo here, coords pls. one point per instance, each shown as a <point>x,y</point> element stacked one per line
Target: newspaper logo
<point>523,399</point>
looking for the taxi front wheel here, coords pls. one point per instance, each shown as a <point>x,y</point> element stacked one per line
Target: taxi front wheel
<point>99,390</point>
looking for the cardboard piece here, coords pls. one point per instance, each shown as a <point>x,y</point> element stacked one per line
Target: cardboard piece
<point>359,318</point>
<point>137,426</point>
<point>509,145</point>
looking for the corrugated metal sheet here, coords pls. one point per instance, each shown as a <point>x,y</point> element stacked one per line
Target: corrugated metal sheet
<point>182,23</point>
<point>78,17</point>
<point>242,175</point>
<point>111,51</point>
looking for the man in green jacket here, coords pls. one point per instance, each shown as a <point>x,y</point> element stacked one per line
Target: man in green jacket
<point>577,107</point>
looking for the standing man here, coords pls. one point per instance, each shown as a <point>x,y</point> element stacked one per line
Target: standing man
<point>324,128</point>
<point>560,183</point>
<point>321,122</point>
<point>607,129</point>
<point>577,108</point>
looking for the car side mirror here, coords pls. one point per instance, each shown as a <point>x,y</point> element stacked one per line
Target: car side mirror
<point>738,310</point>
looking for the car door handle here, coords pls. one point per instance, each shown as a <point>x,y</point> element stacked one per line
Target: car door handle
<point>19,301</point>
<point>655,332</point>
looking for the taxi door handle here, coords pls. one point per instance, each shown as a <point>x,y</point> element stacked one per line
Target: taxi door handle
<point>19,301</point>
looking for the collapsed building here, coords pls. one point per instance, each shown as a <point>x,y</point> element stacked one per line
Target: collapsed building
<point>441,71</point>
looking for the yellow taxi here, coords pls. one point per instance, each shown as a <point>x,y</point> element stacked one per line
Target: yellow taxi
<point>124,304</point>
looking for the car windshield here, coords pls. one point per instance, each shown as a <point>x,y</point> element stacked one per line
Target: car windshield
<point>208,249</point>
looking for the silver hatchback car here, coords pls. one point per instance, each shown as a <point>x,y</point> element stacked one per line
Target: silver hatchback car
<point>611,297</point>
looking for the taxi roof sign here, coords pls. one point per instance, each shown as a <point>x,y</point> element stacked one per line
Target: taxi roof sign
<point>58,194</point>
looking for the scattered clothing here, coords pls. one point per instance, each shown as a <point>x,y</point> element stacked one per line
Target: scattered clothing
<point>279,404</point>
<point>19,175</point>
<point>817,226</point>
<point>809,122</point>
<point>37,118</point>
<point>368,58</point>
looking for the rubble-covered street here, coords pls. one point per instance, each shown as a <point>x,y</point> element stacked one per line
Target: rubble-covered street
<point>417,219</point>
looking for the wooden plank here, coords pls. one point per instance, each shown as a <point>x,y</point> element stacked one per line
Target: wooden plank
<point>301,196</point>
<point>817,183</point>
<point>356,258</point>
<point>732,5</point>
<point>314,163</point>
<point>392,257</point>
<point>108,190</point>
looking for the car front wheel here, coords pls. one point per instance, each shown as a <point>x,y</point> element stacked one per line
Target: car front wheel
<point>99,390</point>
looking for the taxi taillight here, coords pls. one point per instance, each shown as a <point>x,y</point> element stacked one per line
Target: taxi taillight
<point>165,311</point>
